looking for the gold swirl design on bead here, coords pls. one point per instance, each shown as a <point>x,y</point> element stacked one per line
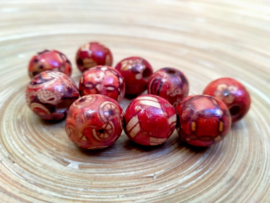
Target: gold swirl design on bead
<point>49,97</point>
<point>105,133</point>
<point>108,111</point>
<point>36,107</point>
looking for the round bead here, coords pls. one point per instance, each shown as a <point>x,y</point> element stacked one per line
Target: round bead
<point>149,120</point>
<point>203,120</point>
<point>170,84</point>
<point>49,60</point>
<point>136,72</point>
<point>103,80</point>
<point>50,93</point>
<point>94,121</point>
<point>93,54</point>
<point>233,94</point>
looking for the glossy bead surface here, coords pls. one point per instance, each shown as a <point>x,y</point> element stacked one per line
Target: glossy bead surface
<point>50,93</point>
<point>233,94</point>
<point>103,80</point>
<point>203,120</point>
<point>136,72</point>
<point>92,54</point>
<point>149,120</point>
<point>49,60</point>
<point>94,122</point>
<point>170,84</point>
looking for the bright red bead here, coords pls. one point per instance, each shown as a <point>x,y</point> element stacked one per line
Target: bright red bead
<point>49,60</point>
<point>103,80</point>
<point>50,93</point>
<point>203,120</point>
<point>92,54</point>
<point>136,72</point>
<point>94,121</point>
<point>233,94</point>
<point>170,84</point>
<point>149,120</point>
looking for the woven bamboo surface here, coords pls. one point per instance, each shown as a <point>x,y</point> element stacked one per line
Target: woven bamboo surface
<point>206,39</point>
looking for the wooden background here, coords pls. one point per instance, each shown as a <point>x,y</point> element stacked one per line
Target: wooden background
<point>205,39</point>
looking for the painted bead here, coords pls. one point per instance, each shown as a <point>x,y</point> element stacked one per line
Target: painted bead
<point>92,54</point>
<point>103,80</point>
<point>203,120</point>
<point>170,84</point>
<point>49,60</point>
<point>136,72</point>
<point>149,120</point>
<point>233,94</point>
<point>50,93</point>
<point>94,121</point>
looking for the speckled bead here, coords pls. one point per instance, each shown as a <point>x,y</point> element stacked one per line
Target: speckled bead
<point>103,80</point>
<point>136,72</point>
<point>94,122</point>
<point>92,54</point>
<point>170,84</point>
<point>149,120</point>
<point>49,60</point>
<point>203,120</point>
<point>50,93</point>
<point>233,94</point>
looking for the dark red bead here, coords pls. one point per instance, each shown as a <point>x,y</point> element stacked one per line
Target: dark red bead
<point>103,80</point>
<point>170,84</point>
<point>203,120</point>
<point>149,120</point>
<point>93,54</point>
<point>233,94</point>
<point>50,93</point>
<point>49,60</point>
<point>94,121</point>
<point>136,72</point>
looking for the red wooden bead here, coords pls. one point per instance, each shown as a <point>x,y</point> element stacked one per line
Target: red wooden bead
<point>93,54</point>
<point>136,72</point>
<point>170,84</point>
<point>203,120</point>
<point>233,94</point>
<point>49,60</point>
<point>94,121</point>
<point>103,80</point>
<point>149,120</point>
<point>50,93</point>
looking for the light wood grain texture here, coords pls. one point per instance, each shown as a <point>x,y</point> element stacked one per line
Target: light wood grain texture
<point>205,39</point>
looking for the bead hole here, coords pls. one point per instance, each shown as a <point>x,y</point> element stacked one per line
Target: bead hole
<point>63,106</point>
<point>82,100</point>
<point>146,73</point>
<point>101,131</point>
<point>80,62</point>
<point>111,112</point>
<point>234,110</point>
<point>170,71</point>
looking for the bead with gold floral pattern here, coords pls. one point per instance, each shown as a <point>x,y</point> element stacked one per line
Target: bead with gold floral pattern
<point>233,94</point>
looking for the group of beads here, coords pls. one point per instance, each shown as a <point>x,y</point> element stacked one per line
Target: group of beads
<point>96,120</point>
